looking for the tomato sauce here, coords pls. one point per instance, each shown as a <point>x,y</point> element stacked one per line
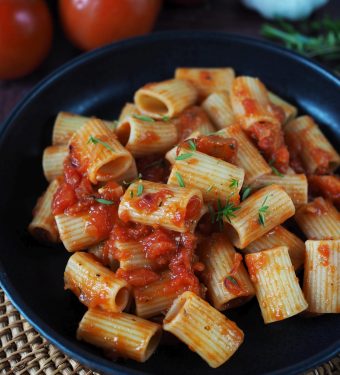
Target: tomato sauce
<point>255,263</point>
<point>270,140</point>
<point>323,250</point>
<point>150,202</point>
<point>326,186</point>
<point>213,145</point>
<point>317,207</point>
<point>154,168</point>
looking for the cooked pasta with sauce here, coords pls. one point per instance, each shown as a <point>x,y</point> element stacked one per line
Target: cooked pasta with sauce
<point>177,213</point>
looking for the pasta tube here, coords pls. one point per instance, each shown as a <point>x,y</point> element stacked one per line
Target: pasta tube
<point>94,284</point>
<point>224,275</point>
<point>321,284</point>
<point>258,214</point>
<point>104,254</point>
<point>73,232</point>
<point>218,107</point>
<point>142,137</point>
<point>318,156</point>
<point>171,155</point>
<point>215,178</point>
<point>166,98</point>
<point>100,152</point>
<point>204,329</point>
<point>319,220</point>
<point>53,161</point>
<point>43,226</point>
<point>289,110</point>
<point>295,185</point>
<point>279,236</point>
<point>207,80</point>
<point>123,334</point>
<point>277,288</point>
<point>66,124</point>
<point>248,157</point>
<point>132,255</point>
<point>250,102</point>
<point>151,203</point>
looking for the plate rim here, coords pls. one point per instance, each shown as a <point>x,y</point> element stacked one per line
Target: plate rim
<point>73,350</point>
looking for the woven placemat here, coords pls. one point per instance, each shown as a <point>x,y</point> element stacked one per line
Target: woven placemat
<point>24,351</point>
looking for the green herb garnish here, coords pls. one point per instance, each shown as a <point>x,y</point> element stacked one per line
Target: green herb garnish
<point>180,179</point>
<point>210,188</point>
<point>232,280</point>
<point>246,192</point>
<point>228,211</point>
<point>275,171</point>
<point>319,39</point>
<point>140,189</point>
<point>262,210</point>
<point>183,156</point>
<point>192,145</point>
<point>165,118</point>
<point>104,201</point>
<point>234,183</point>
<point>95,141</point>
<point>143,118</point>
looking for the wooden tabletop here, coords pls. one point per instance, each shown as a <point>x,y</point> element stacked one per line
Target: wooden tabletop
<point>216,15</point>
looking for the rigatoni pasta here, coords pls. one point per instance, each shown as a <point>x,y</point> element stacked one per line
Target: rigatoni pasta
<point>191,172</point>
<point>319,220</point>
<point>120,333</point>
<point>279,236</point>
<point>155,204</point>
<point>224,275</point>
<point>258,214</point>
<point>207,80</point>
<point>208,332</point>
<point>219,109</point>
<point>144,136</point>
<point>295,185</point>
<point>43,225</point>
<point>315,151</point>
<point>94,284</point>
<point>167,98</point>
<point>277,288</point>
<point>321,284</point>
<point>53,161</point>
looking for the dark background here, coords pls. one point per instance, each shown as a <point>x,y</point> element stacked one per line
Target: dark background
<point>216,15</point>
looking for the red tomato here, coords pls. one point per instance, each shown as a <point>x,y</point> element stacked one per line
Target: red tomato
<point>25,36</point>
<point>93,23</point>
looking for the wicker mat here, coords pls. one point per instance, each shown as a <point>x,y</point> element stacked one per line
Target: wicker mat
<point>24,351</point>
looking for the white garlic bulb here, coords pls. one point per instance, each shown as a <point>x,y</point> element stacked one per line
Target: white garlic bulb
<point>288,9</point>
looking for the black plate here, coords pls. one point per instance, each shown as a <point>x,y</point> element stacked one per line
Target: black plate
<point>99,83</point>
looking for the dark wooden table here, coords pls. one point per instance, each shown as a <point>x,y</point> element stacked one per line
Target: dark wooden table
<point>216,15</point>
